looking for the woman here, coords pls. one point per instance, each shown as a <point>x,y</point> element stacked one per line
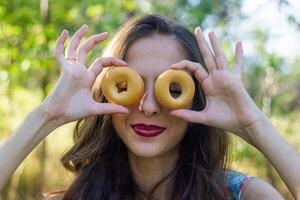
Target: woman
<point>188,160</point>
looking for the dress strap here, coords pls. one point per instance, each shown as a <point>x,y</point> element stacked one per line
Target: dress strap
<point>236,183</point>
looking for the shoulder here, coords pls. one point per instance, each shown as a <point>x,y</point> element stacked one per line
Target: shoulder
<point>236,182</point>
<point>54,196</point>
<point>259,189</point>
<point>244,187</point>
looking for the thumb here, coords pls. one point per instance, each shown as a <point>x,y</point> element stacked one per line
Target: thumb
<point>108,108</point>
<point>190,115</point>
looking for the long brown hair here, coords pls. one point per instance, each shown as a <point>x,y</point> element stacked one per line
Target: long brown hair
<point>99,157</point>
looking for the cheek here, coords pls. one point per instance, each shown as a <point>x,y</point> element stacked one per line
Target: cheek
<point>179,127</point>
<point>178,124</point>
<point>119,123</point>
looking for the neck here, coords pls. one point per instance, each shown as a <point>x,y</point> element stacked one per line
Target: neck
<point>148,172</point>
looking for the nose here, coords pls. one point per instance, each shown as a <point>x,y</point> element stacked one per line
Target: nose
<point>148,104</point>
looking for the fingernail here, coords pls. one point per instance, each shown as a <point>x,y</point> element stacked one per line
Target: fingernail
<point>125,112</point>
<point>238,44</point>
<point>173,112</point>
<point>122,61</point>
<point>84,26</point>
<point>175,65</point>
<point>211,34</point>
<point>64,31</point>
<point>100,35</point>
<point>197,29</point>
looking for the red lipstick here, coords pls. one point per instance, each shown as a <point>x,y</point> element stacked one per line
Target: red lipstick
<point>145,130</point>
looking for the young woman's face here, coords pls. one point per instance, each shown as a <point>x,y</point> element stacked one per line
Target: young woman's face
<point>150,57</point>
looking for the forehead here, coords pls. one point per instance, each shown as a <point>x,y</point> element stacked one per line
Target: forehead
<point>150,56</point>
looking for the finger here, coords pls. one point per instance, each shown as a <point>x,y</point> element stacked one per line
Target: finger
<point>89,45</point>
<point>100,63</point>
<point>208,56</point>
<point>107,108</point>
<point>72,47</point>
<point>219,54</point>
<point>59,48</point>
<point>197,69</point>
<point>239,59</point>
<point>190,115</point>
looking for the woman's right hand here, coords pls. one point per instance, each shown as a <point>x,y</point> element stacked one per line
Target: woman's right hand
<point>71,99</point>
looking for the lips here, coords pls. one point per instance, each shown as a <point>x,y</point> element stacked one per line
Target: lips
<point>147,130</point>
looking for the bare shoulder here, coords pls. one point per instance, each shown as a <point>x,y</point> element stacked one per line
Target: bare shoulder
<point>259,189</point>
<point>55,196</point>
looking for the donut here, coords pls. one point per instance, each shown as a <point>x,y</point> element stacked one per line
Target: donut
<point>180,82</point>
<point>122,85</point>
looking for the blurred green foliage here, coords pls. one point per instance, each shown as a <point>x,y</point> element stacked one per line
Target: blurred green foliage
<point>28,30</point>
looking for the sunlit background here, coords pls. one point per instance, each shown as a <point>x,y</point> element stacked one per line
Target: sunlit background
<point>269,30</point>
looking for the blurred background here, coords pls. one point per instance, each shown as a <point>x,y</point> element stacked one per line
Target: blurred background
<point>268,29</point>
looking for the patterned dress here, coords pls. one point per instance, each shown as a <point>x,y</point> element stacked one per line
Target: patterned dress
<point>236,183</point>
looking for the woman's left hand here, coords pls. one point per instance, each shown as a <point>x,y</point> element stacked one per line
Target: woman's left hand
<point>228,105</point>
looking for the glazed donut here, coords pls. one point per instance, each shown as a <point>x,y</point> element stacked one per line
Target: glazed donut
<point>122,85</point>
<point>177,77</point>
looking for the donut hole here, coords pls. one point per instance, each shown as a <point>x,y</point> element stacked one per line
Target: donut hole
<point>121,86</point>
<point>175,89</point>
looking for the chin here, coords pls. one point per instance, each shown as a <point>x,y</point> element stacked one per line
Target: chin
<point>145,150</point>
<point>148,150</point>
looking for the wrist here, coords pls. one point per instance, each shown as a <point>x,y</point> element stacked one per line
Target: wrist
<point>259,130</point>
<point>43,116</point>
